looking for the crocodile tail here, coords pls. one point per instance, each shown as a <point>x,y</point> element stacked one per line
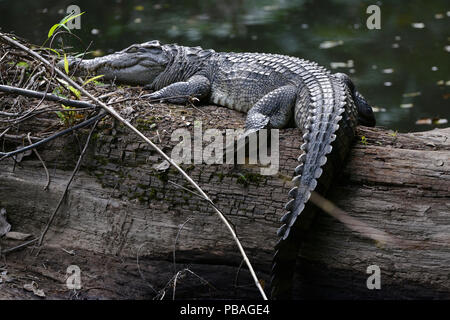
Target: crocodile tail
<point>330,124</point>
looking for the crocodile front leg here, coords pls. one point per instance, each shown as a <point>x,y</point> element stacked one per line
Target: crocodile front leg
<point>273,110</point>
<point>180,92</point>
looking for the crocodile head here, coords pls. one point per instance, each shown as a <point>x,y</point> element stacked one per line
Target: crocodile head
<point>139,64</point>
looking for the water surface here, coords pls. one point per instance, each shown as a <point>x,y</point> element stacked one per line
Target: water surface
<point>402,69</point>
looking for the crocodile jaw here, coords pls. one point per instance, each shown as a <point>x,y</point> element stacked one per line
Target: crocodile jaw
<point>115,67</point>
<point>135,65</point>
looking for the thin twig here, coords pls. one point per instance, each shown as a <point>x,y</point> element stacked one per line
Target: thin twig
<point>77,167</point>
<point>176,241</point>
<point>360,226</point>
<point>4,132</point>
<point>236,279</point>
<point>40,101</point>
<point>181,272</point>
<point>3,57</point>
<point>42,161</point>
<point>4,155</point>
<point>19,246</point>
<point>34,77</point>
<point>139,268</point>
<point>175,285</point>
<point>46,96</point>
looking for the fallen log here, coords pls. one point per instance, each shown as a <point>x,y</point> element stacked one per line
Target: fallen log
<point>132,228</point>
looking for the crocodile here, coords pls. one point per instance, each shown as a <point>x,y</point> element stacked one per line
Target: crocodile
<point>276,91</point>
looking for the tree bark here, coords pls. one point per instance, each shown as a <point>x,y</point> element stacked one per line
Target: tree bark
<point>120,206</point>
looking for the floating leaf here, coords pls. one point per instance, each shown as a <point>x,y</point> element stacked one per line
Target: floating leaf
<point>378,109</point>
<point>139,8</point>
<point>440,121</point>
<point>424,121</point>
<point>412,94</point>
<point>429,121</point>
<point>418,25</point>
<point>330,44</point>
<point>348,64</point>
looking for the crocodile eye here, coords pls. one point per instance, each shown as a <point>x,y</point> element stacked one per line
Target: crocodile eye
<point>132,50</point>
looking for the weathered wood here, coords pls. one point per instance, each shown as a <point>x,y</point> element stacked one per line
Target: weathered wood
<point>120,204</point>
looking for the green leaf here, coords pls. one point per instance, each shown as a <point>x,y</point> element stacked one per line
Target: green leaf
<point>66,27</point>
<point>22,64</point>
<point>52,29</point>
<point>75,91</point>
<point>66,64</point>
<point>364,140</point>
<point>60,115</point>
<point>92,79</point>
<point>82,54</point>
<point>53,50</point>
<point>70,17</point>
<point>62,24</point>
<point>58,91</point>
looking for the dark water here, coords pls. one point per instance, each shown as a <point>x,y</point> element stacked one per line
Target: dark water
<point>402,69</point>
